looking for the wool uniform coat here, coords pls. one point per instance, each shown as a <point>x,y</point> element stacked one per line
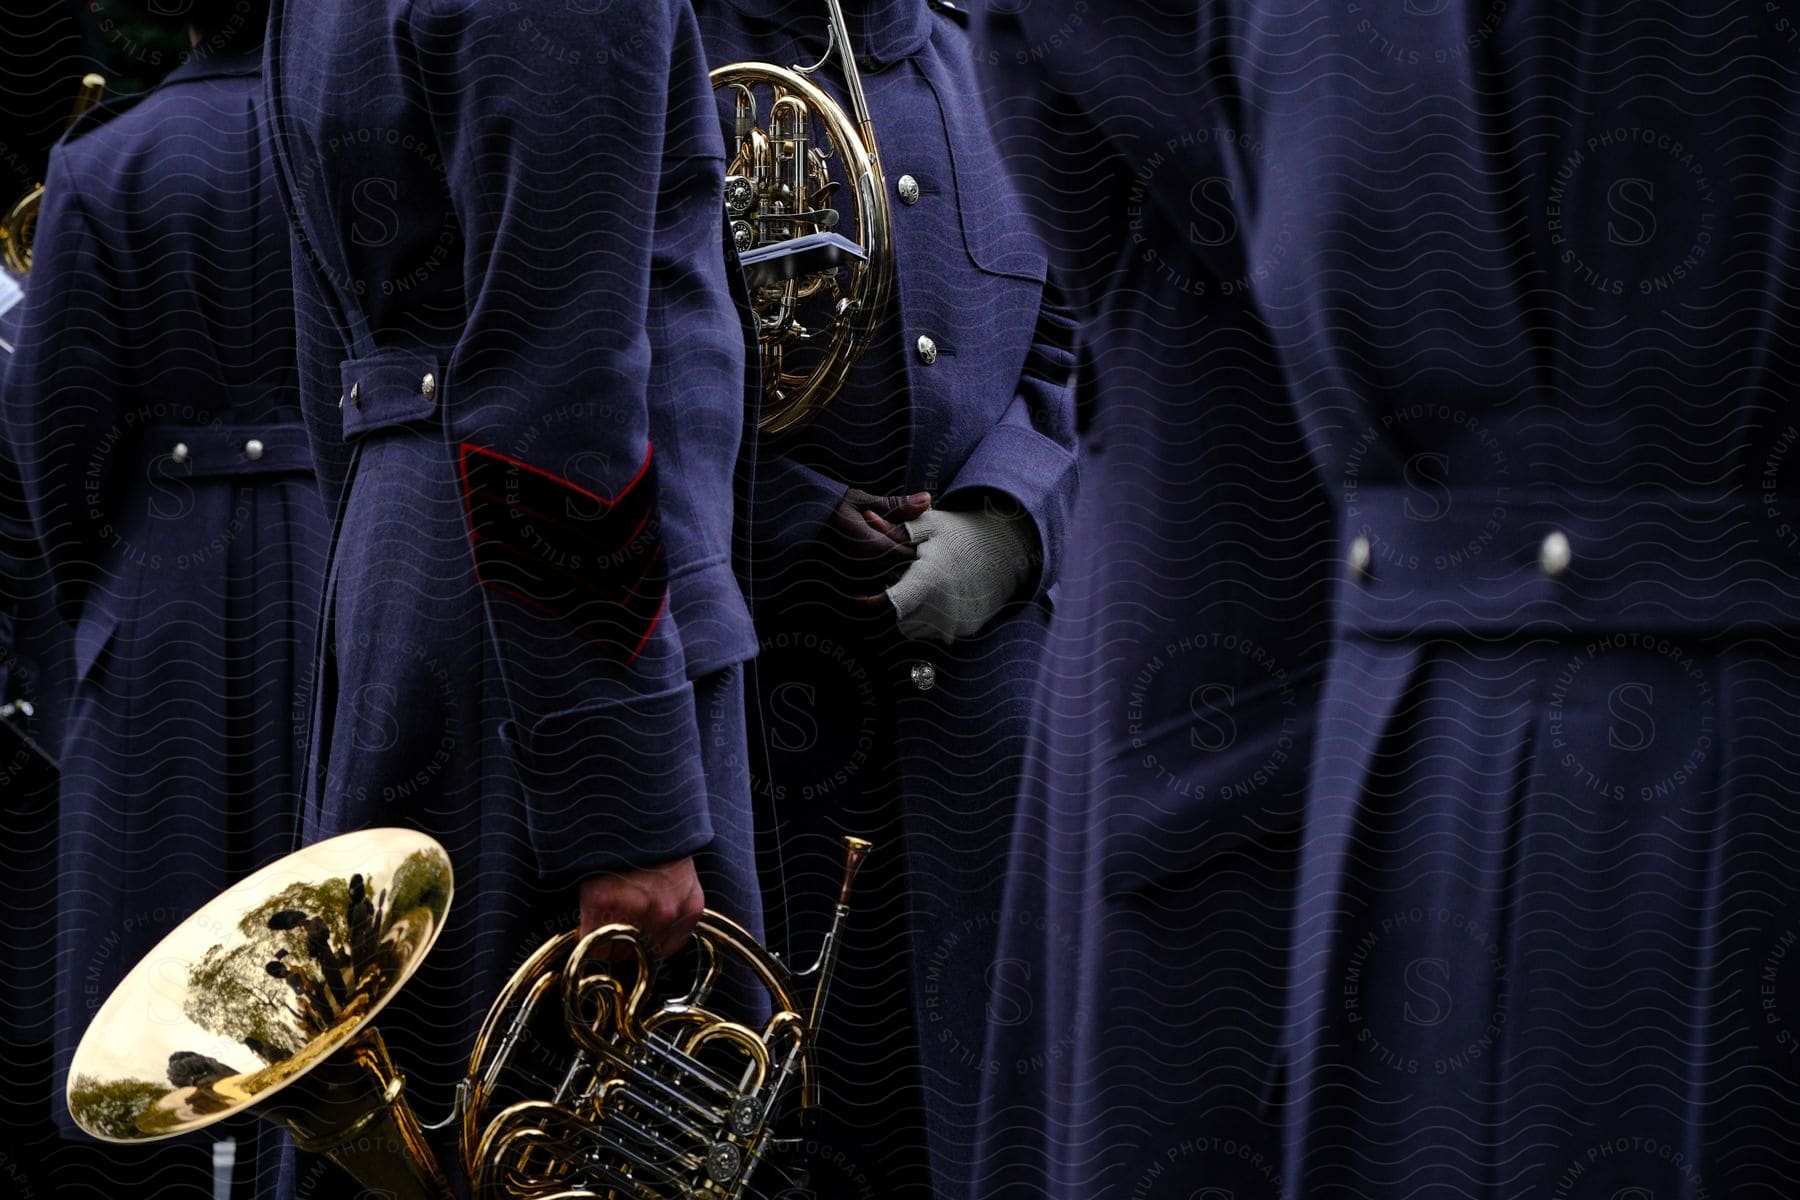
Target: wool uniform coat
<point>152,411</point>
<point>1536,320</point>
<point>1136,1045</point>
<point>524,379</point>
<point>33,654</point>
<point>965,392</point>
<point>33,657</point>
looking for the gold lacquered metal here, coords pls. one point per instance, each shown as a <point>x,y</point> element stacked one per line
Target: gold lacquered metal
<point>19,227</point>
<point>271,988</point>
<point>783,190</point>
<point>261,985</point>
<point>657,1088</point>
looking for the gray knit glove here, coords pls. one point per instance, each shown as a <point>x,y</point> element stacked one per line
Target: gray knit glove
<point>970,565</point>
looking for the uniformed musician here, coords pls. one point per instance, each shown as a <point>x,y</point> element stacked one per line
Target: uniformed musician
<point>153,412</point>
<point>524,377</point>
<point>1152,867</point>
<point>33,677</point>
<point>906,539</point>
<point>1536,312</point>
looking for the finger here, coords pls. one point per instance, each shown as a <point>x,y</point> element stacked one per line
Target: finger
<point>596,908</point>
<point>675,937</point>
<point>895,533</point>
<point>672,931</point>
<point>905,508</point>
<point>883,547</point>
<point>663,938</point>
<point>912,508</point>
<point>613,950</point>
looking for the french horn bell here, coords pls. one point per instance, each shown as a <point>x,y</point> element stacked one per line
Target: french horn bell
<point>265,1001</point>
<point>816,294</point>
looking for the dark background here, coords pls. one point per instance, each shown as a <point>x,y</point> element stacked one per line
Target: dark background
<point>46,46</point>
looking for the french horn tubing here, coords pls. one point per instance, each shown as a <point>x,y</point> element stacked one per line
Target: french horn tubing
<point>265,999</point>
<point>816,293</point>
<point>18,228</point>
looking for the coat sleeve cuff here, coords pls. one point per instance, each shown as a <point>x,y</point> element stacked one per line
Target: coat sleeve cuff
<point>1035,472</point>
<point>614,787</point>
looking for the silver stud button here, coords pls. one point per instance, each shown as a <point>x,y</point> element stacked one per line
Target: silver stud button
<point>924,676</point>
<point>428,385</point>
<point>927,350</point>
<point>180,452</point>
<point>908,187</point>
<point>1555,555</point>
<point>1359,556</point>
<point>253,449</point>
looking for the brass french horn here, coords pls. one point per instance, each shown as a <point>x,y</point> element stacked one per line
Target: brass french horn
<point>816,293</point>
<point>264,1000</point>
<point>19,226</point>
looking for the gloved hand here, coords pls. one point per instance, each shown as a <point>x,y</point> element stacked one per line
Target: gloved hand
<point>969,565</point>
<point>862,547</point>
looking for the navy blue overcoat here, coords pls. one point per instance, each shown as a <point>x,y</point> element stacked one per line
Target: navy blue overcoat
<point>524,378</point>
<point>1135,1046</point>
<point>918,746</point>
<point>1536,315</point>
<point>33,675</point>
<point>153,413</point>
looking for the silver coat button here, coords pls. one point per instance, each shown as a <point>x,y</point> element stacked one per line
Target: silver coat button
<point>180,452</point>
<point>253,449</point>
<point>428,385</point>
<point>1359,556</point>
<point>356,393</point>
<point>1555,555</point>
<point>924,676</point>
<point>927,350</point>
<point>908,188</point>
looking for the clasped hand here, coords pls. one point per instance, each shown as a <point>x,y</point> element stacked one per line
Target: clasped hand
<point>943,574</point>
